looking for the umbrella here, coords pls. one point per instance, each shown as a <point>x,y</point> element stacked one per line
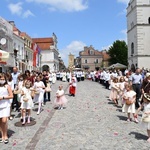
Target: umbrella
<point>117,66</point>
<point>3,56</point>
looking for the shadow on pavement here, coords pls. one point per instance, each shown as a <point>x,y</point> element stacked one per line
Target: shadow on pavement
<point>10,133</point>
<point>122,118</point>
<point>120,110</point>
<point>139,136</point>
<point>111,102</point>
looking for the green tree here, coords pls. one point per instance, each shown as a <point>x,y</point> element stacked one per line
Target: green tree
<point>118,53</point>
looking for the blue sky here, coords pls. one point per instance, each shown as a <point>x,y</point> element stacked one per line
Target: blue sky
<point>76,23</point>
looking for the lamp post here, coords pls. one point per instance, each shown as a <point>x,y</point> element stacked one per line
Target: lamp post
<point>15,55</point>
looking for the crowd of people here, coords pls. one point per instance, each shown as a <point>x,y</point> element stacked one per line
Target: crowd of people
<point>20,91</point>
<point>130,90</point>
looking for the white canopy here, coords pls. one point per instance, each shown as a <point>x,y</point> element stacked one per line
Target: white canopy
<point>117,66</point>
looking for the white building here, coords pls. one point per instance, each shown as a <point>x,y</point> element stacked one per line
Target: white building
<point>49,53</point>
<point>138,33</point>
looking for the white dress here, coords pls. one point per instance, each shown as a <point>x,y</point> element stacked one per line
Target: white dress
<point>53,77</point>
<point>39,97</point>
<point>11,84</point>
<point>146,109</point>
<point>4,104</point>
<point>61,100</point>
<point>29,104</point>
<point>129,108</point>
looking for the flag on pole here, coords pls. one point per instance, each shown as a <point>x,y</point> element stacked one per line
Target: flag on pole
<point>34,54</point>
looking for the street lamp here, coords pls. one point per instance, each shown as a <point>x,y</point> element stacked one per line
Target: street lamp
<point>15,55</point>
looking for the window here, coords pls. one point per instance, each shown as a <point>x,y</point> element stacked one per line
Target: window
<point>149,20</point>
<point>132,49</point>
<point>14,45</point>
<point>91,52</point>
<point>85,61</point>
<point>96,61</point>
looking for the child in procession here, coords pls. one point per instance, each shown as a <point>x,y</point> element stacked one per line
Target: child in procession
<point>129,105</point>
<point>60,100</point>
<point>26,102</point>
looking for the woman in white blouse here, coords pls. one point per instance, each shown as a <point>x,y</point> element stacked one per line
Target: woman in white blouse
<point>5,96</point>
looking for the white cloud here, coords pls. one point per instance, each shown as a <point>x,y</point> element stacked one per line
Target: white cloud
<point>74,48</point>
<point>15,8</point>
<point>64,5</point>
<point>27,13</point>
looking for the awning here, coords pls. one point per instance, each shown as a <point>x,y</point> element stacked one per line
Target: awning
<point>117,66</point>
<point>3,57</point>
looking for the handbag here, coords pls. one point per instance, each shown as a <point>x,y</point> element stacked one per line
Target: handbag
<point>37,91</point>
<point>48,89</point>
<point>146,118</point>
<point>25,99</point>
<point>128,102</point>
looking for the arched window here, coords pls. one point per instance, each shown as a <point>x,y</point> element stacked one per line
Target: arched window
<point>132,48</point>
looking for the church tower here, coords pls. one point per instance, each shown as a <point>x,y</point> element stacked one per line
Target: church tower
<point>71,61</point>
<point>138,34</point>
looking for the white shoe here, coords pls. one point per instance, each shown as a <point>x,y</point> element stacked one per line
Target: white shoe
<point>38,113</point>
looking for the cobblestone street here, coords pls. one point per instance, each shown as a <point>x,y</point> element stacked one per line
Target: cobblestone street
<point>90,122</point>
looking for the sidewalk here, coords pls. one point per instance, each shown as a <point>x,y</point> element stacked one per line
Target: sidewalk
<point>90,122</point>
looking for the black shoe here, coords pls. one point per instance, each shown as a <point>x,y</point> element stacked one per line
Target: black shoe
<point>6,141</point>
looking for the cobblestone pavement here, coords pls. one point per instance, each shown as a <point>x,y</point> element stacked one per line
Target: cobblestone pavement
<point>90,122</point>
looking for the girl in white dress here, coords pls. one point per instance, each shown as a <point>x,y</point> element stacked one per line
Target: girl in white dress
<point>114,93</point>
<point>60,100</point>
<point>26,102</point>
<point>5,96</point>
<point>122,89</point>
<point>39,89</point>
<point>130,96</point>
<point>145,121</point>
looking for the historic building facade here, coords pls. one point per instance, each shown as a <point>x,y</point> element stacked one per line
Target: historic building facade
<point>50,55</point>
<point>90,58</point>
<point>138,33</point>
